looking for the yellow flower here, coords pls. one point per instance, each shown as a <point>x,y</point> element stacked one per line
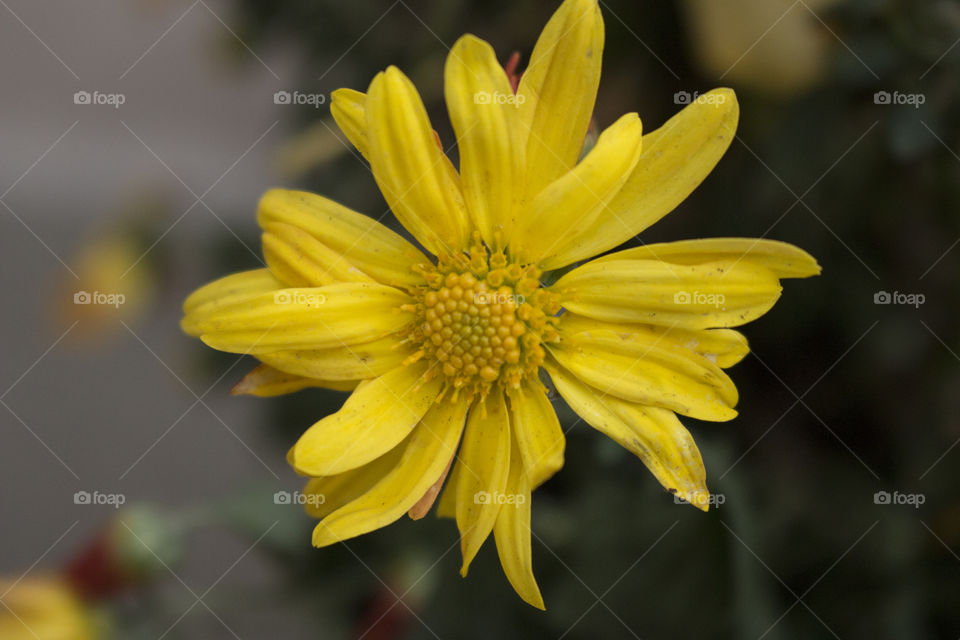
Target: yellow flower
<point>444,357</point>
<point>43,608</point>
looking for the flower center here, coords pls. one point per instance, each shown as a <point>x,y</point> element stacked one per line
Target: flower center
<point>482,321</point>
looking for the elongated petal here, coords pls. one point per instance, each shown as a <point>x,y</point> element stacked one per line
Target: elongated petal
<point>512,534</point>
<point>300,260</point>
<point>245,282</point>
<point>485,115</point>
<point>676,158</point>
<point>558,91</point>
<point>580,196</point>
<point>645,369</point>
<point>424,458</point>
<point>362,241</point>
<point>315,318</point>
<point>654,435</point>
<point>784,260</point>
<point>702,296</point>
<point>266,382</point>
<point>536,428</point>
<point>348,108</point>
<point>410,167</point>
<point>485,463</point>
<point>373,420</point>
<point>352,362</point>
<point>447,504</point>
<point>724,347</point>
<point>327,494</point>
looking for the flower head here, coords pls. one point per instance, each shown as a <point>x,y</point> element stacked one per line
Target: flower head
<point>445,355</point>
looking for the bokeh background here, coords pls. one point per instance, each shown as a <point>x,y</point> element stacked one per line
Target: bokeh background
<point>848,145</point>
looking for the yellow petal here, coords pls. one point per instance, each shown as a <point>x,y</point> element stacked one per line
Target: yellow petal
<point>484,459</point>
<point>362,241</point>
<point>447,505</point>
<point>300,260</point>
<point>424,458</point>
<point>315,318</point>
<point>256,281</point>
<point>266,382</point>
<point>373,420</point>
<point>724,347</point>
<point>675,160</point>
<point>702,296</point>
<point>512,534</point>
<point>326,494</point>
<point>485,115</point>
<point>558,91</point>
<point>649,370</point>
<point>348,108</point>
<point>561,210</point>
<point>410,167</point>
<point>654,435</point>
<point>536,428</point>
<point>353,362</point>
<point>422,507</point>
<point>784,260</point>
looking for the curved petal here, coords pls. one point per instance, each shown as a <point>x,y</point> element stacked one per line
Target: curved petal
<point>512,535</point>
<point>315,318</point>
<point>484,114</point>
<point>374,419</point>
<point>362,241</point>
<point>645,369</point>
<point>580,196</point>
<point>724,347</point>
<point>425,456</point>
<point>245,282</point>
<point>783,259</point>
<point>352,362</point>
<point>300,260</point>
<point>348,108</point>
<point>676,158</point>
<point>654,435</point>
<point>702,296</point>
<point>558,90</point>
<point>539,438</point>
<point>326,494</point>
<point>484,461</point>
<point>410,167</point>
<point>267,382</point>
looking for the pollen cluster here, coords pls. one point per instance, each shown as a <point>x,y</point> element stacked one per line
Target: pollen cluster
<point>481,321</point>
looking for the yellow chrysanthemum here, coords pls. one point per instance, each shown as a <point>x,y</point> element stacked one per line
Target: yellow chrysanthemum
<point>444,356</point>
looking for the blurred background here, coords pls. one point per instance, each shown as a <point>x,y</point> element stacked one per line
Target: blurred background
<point>135,140</point>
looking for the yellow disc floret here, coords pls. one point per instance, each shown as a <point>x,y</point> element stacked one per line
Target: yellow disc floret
<point>481,320</point>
